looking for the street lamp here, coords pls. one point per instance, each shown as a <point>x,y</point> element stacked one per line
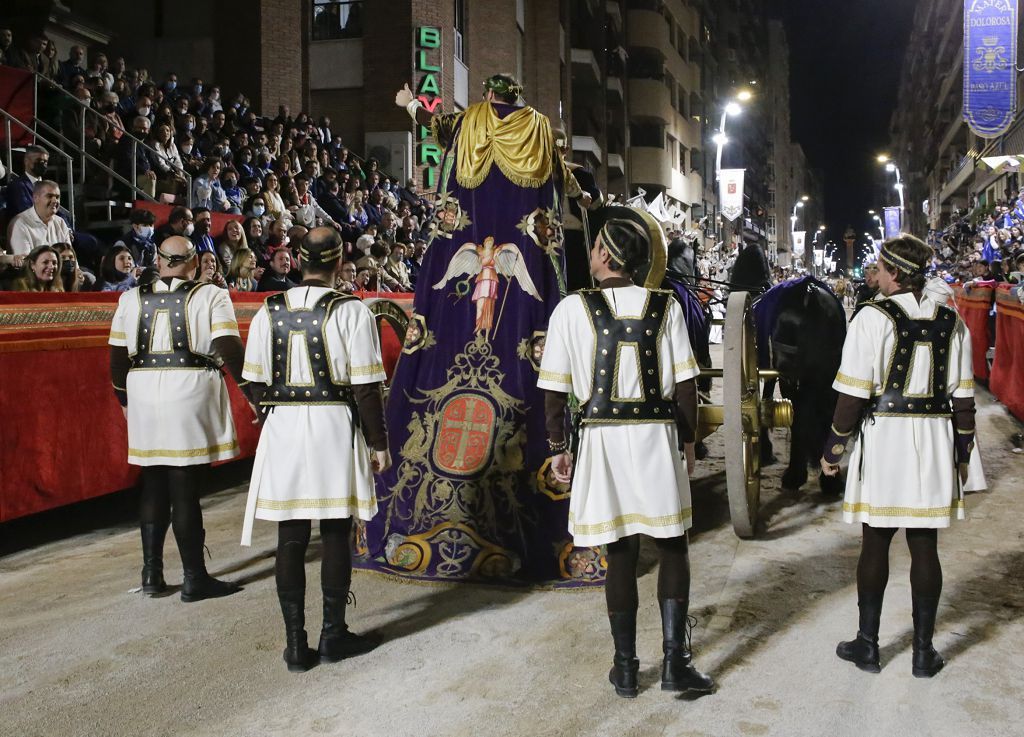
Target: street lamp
<point>881,226</point>
<point>892,168</point>
<point>731,108</point>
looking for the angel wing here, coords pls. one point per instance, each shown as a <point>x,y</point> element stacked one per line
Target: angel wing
<point>465,261</point>
<point>510,263</point>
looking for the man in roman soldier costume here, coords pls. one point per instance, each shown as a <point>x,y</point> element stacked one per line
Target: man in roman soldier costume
<point>471,495</point>
<point>169,340</point>
<point>313,360</point>
<point>907,399</point>
<point>622,350</point>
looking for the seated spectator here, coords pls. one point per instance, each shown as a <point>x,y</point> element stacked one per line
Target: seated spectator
<point>244,274</point>
<point>376,261</point>
<point>357,214</point>
<point>366,280</point>
<point>117,271</point>
<point>375,207</point>
<point>207,191</point>
<point>234,193</point>
<point>309,209</point>
<point>40,225</point>
<point>139,237</point>
<point>209,270</point>
<point>18,195</point>
<point>414,261</point>
<point>334,206</point>
<point>71,66</point>
<point>396,269</point>
<point>167,163</point>
<point>186,149</point>
<point>201,237</point>
<point>128,151</point>
<point>275,278</point>
<point>347,278</point>
<point>272,196</point>
<point>230,242</point>
<point>179,222</point>
<point>41,271</point>
<point>253,229</point>
<point>72,276</point>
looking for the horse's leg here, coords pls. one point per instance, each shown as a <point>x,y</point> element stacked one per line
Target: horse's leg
<point>768,457</point>
<point>796,472</point>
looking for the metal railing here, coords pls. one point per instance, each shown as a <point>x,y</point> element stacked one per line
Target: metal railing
<point>84,156</point>
<point>70,171</point>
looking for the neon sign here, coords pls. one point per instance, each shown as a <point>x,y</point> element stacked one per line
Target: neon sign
<point>428,91</point>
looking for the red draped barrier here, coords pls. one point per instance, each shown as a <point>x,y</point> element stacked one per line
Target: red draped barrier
<point>62,434</point>
<point>1007,381</point>
<point>974,306</point>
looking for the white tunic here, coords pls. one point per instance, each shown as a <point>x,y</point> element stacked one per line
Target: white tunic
<point>310,464</point>
<point>902,471</point>
<point>629,478</point>
<point>178,417</point>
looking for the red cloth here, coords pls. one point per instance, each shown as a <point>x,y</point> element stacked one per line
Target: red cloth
<point>62,435</point>
<point>1007,381</point>
<point>17,97</point>
<point>974,307</point>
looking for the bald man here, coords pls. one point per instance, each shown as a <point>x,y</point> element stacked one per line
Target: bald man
<point>169,340</point>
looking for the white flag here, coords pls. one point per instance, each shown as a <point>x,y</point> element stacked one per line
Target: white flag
<point>799,239</point>
<point>730,193</point>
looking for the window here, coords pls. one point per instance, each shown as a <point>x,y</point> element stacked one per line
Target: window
<point>336,19</point>
<point>460,30</point>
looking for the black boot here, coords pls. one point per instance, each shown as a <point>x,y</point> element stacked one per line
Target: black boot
<point>625,666</point>
<point>862,651</point>
<point>198,584</point>
<point>297,653</point>
<point>927,661</point>
<point>336,641</point>
<point>677,671</point>
<point>153,534</point>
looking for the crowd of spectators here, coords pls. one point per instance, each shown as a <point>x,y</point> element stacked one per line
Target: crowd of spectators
<point>984,245</point>
<point>203,154</point>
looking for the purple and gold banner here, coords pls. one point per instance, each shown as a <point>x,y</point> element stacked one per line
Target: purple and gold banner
<point>990,65</point>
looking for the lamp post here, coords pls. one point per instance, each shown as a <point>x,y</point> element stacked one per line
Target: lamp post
<point>892,168</point>
<point>732,107</point>
<point>792,226</point>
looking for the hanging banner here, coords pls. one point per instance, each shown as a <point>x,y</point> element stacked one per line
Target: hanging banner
<point>799,242</point>
<point>990,65</point>
<point>730,193</point>
<point>892,222</point>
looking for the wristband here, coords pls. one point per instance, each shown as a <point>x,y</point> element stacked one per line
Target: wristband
<point>557,448</point>
<point>412,107</point>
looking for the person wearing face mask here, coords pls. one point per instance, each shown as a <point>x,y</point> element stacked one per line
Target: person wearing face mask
<point>190,161</point>
<point>232,191</point>
<point>18,194</point>
<point>74,277</point>
<point>139,237</point>
<point>179,222</point>
<point>130,158</point>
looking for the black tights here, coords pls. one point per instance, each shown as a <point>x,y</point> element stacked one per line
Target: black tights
<point>925,569</point>
<point>292,542</point>
<point>673,571</point>
<point>170,495</point>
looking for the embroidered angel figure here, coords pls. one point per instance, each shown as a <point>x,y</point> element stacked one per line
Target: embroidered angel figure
<point>487,261</point>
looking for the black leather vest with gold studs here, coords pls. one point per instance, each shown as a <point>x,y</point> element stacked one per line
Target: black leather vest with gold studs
<point>911,333</point>
<point>614,334</point>
<point>306,323</point>
<point>167,309</point>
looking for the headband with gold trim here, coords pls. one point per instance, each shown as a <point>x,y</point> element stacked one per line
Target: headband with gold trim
<point>323,256</point>
<point>898,262</point>
<point>609,243</point>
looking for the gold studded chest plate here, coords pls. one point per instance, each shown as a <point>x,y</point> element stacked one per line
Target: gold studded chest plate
<point>626,338</point>
<point>295,329</point>
<point>934,334</point>
<point>167,311</point>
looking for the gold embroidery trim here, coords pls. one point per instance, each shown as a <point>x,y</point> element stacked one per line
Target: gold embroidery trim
<point>966,384</point>
<point>328,503</point>
<point>223,326</point>
<point>861,507</point>
<point>841,434</point>
<point>690,363</point>
<point>556,377</point>
<point>373,368</point>
<point>666,520</point>
<point>190,453</point>
<point>254,368</point>
<point>116,335</point>
<point>856,383</point>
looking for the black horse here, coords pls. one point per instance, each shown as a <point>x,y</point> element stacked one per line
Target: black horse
<point>801,327</point>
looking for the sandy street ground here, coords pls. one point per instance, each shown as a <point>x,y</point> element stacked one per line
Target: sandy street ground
<point>82,654</point>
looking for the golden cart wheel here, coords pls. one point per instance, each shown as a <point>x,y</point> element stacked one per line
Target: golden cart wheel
<point>741,415</point>
<point>390,312</point>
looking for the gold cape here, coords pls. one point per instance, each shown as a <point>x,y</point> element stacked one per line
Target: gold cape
<point>521,146</point>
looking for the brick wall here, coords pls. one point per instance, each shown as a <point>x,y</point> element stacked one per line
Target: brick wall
<point>280,71</point>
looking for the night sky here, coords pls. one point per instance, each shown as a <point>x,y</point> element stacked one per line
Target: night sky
<point>845,61</point>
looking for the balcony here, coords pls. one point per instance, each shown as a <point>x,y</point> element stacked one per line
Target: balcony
<point>648,29</point>
<point>687,132</point>
<point>957,178</point>
<point>589,145</point>
<point>614,87</point>
<point>650,165</point>
<point>686,16</point>
<point>649,101</point>
<point>616,164</point>
<point>585,67</point>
